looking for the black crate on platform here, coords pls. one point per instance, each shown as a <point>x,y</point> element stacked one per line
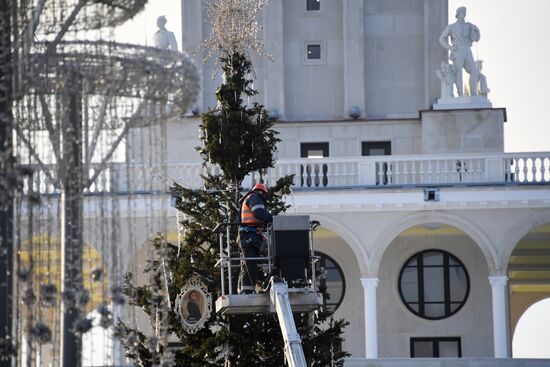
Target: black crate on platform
<point>291,247</point>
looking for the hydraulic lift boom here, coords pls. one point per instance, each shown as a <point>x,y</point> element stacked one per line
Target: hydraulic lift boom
<point>294,353</point>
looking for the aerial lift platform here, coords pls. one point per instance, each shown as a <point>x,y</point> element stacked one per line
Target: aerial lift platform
<point>290,262</point>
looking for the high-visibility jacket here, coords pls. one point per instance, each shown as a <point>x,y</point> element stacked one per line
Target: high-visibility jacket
<point>253,212</point>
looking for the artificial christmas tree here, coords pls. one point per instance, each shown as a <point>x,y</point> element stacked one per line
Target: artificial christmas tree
<point>238,139</point>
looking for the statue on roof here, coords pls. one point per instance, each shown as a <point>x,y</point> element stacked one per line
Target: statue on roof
<point>462,35</point>
<point>163,38</point>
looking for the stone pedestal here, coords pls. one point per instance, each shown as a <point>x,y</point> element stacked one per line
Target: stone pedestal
<point>463,131</point>
<point>462,103</point>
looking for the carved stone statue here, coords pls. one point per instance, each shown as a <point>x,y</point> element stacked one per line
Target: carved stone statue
<point>446,75</point>
<point>462,35</point>
<point>481,88</point>
<point>163,38</point>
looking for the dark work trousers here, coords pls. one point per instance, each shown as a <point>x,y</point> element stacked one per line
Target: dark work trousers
<point>251,243</point>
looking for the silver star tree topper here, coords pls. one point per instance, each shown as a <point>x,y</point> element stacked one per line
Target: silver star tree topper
<point>234,27</point>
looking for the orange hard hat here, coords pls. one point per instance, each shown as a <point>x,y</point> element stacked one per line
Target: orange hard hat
<point>260,186</point>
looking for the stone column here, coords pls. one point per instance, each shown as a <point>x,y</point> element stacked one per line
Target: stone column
<point>354,56</point>
<point>371,330</point>
<point>274,98</point>
<point>498,290</point>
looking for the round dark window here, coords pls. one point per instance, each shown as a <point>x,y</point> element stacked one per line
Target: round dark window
<point>330,281</point>
<point>434,284</point>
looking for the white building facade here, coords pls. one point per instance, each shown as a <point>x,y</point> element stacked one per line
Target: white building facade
<point>435,241</point>
<point>440,239</point>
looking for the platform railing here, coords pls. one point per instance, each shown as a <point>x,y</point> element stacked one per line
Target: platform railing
<point>227,262</point>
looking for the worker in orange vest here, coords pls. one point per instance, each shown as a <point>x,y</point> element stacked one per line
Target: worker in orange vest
<point>253,217</point>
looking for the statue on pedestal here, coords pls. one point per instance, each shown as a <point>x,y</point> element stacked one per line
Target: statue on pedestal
<point>462,34</point>
<point>163,38</point>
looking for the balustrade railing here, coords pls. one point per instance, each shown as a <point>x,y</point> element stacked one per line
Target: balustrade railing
<point>374,171</point>
<point>314,173</point>
<point>528,167</point>
<point>493,168</point>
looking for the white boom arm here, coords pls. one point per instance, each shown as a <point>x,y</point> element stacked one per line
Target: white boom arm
<point>294,353</point>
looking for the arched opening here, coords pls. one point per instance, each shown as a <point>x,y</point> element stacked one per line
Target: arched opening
<point>434,297</point>
<point>529,283</point>
<point>533,332</point>
<point>343,284</point>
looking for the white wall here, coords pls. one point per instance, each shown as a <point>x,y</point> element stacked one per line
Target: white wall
<point>313,91</point>
<point>472,323</point>
<point>401,54</point>
<point>394,57</point>
<point>345,137</point>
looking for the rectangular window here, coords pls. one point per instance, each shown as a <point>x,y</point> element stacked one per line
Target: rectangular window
<point>436,347</point>
<point>369,148</point>
<point>313,150</point>
<point>314,52</point>
<point>313,5</point>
